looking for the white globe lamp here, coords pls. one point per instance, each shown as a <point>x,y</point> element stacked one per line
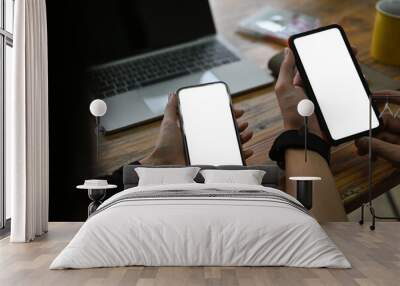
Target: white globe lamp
<point>305,108</point>
<point>98,108</point>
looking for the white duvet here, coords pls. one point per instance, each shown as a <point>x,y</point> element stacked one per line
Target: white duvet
<point>200,231</point>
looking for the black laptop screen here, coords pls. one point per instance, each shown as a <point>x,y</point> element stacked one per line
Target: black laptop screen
<point>118,29</point>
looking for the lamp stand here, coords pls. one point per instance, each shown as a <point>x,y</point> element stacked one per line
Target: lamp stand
<point>97,137</point>
<point>305,137</point>
<point>98,130</point>
<point>370,205</point>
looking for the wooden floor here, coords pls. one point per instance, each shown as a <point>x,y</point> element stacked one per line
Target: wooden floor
<point>375,257</point>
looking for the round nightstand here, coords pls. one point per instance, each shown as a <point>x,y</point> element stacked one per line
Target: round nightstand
<point>304,189</point>
<point>96,192</point>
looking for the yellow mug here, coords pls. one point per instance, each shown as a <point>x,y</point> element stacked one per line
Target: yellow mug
<point>386,36</point>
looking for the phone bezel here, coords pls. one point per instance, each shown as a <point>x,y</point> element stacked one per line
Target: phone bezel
<point>181,122</point>
<point>310,92</point>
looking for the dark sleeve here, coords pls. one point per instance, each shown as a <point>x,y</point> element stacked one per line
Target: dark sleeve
<point>116,177</point>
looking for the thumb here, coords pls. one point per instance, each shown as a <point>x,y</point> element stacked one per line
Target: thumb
<point>287,71</point>
<point>171,108</point>
<point>362,145</point>
<point>388,151</point>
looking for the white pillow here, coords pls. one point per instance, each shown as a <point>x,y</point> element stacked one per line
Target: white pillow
<point>165,176</point>
<point>247,177</point>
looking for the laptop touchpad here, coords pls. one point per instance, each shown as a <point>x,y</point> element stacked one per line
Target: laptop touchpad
<point>157,102</point>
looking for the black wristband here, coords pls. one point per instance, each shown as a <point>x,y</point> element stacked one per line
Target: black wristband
<point>295,139</point>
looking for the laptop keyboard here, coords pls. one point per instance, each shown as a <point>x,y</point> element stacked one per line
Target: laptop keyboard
<point>137,73</point>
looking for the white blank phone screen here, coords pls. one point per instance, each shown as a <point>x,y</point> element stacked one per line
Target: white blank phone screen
<point>343,101</point>
<point>208,125</point>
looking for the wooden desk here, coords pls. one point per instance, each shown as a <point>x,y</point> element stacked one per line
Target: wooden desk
<point>374,256</point>
<point>262,111</point>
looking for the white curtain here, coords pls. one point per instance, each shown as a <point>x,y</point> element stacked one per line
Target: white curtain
<point>27,145</point>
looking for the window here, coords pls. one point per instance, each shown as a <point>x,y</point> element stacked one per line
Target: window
<point>6,62</point>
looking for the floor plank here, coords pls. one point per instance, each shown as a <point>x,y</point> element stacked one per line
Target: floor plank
<point>375,257</point>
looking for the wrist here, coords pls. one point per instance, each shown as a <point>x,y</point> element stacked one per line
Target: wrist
<point>160,156</point>
<point>152,160</point>
<point>311,130</point>
<point>294,139</point>
<point>298,155</point>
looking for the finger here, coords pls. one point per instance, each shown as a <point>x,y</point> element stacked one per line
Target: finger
<point>297,81</point>
<point>238,112</point>
<point>391,124</point>
<point>389,137</point>
<point>386,92</point>
<point>245,136</point>
<point>362,147</point>
<point>286,73</point>
<point>362,144</point>
<point>388,151</point>
<point>248,153</point>
<point>392,95</point>
<point>243,126</point>
<point>171,108</point>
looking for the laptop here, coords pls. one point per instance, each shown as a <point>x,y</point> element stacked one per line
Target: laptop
<point>141,50</point>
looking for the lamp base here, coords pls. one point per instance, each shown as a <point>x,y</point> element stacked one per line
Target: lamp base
<point>305,190</point>
<point>97,196</point>
<point>304,193</point>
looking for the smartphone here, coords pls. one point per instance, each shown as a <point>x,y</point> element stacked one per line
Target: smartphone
<point>333,80</point>
<point>210,132</point>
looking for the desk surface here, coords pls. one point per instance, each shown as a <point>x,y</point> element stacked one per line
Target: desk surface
<point>374,255</point>
<point>262,111</point>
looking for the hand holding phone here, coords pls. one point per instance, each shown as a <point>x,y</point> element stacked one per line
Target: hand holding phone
<point>289,91</point>
<point>210,133</point>
<point>333,80</point>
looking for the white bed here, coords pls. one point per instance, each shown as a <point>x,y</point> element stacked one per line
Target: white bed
<point>183,230</point>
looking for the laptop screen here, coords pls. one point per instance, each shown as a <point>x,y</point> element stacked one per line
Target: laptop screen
<point>120,28</point>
